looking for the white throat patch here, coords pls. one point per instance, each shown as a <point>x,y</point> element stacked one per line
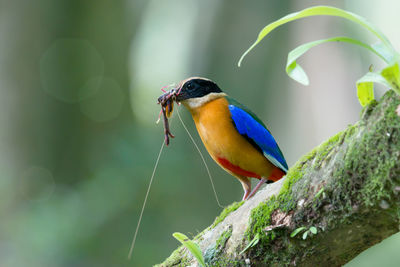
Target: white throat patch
<point>196,102</point>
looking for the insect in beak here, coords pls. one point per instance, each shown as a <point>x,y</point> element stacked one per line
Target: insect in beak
<point>166,101</point>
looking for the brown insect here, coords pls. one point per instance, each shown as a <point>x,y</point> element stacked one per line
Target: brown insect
<point>166,101</point>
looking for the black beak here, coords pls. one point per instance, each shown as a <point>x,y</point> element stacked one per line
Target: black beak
<point>179,94</point>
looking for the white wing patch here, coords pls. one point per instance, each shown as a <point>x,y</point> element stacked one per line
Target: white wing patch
<point>275,162</point>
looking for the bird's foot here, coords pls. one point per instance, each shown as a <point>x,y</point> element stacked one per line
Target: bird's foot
<point>246,194</point>
<point>260,183</point>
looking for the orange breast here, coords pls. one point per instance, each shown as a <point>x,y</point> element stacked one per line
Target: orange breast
<point>225,145</point>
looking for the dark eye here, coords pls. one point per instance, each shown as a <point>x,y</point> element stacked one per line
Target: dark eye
<point>190,86</point>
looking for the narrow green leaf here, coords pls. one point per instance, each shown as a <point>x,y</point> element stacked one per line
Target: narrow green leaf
<point>313,230</point>
<point>317,11</point>
<point>392,75</point>
<point>297,73</point>
<point>252,243</point>
<point>191,246</point>
<point>298,230</point>
<point>319,193</point>
<point>305,235</point>
<point>389,56</point>
<point>365,87</point>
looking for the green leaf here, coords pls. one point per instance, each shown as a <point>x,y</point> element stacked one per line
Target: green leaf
<point>298,230</point>
<point>389,55</point>
<point>392,75</point>
<point>313,230</point>
<point>191,246</point>
<point>365,87</point>
<point>252,243</point>
<point>319,193</point>
<point>297,73</point>
<point>305,235</point>
<point>327,11</point>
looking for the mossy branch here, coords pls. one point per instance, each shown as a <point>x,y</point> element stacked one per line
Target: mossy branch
<point>342,198</point>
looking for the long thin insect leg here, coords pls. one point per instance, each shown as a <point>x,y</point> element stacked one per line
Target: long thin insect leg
<point>145,200</point>
<point>204,161</point>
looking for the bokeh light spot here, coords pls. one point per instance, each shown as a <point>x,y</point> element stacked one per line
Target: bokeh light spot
<point>106,104</point>
<point>66,68</point>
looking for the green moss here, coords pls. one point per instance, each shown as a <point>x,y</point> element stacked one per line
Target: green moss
<point>350,131</point>
<point>371,169</point>
<point>260,216</point>
<point>385,175</point>
<point>199,236</point>
<point>323,150</point>
<point>212,254</point>
<point>175,259</point>
<point>295,174</point>
<point>221,241</point>
<point>286,201</point>
<point>234,206</point>
<point>222,261</point>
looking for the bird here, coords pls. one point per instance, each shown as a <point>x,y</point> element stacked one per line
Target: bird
<point>236,139</point>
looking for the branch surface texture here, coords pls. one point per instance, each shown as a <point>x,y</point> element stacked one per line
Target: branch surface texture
<point>340,199</point>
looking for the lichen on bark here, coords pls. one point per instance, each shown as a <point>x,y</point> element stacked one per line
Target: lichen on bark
<point>348,188</point>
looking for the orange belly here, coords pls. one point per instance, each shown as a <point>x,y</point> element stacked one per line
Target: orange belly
<point>225,145</point>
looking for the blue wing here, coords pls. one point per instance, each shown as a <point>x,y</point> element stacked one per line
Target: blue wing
<point>253,129</point>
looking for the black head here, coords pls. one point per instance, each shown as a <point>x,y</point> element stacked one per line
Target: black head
<point>196,87</point>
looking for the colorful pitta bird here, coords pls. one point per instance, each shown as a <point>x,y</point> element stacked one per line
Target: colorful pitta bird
<point>233,135</point>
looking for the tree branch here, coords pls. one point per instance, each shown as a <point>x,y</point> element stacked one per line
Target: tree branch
<point>347,189</point>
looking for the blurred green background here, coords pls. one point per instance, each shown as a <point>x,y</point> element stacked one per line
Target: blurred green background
<point>78,140</point>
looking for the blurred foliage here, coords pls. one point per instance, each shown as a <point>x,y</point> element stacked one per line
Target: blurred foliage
<point>78,140</point>
<point>383,49</point>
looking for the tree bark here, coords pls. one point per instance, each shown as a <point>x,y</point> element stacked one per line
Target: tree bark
<point>341,198</point>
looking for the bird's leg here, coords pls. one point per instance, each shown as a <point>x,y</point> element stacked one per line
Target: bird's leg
<point>246,184</point>
<point>246,194</point>
<point>260,183</point>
